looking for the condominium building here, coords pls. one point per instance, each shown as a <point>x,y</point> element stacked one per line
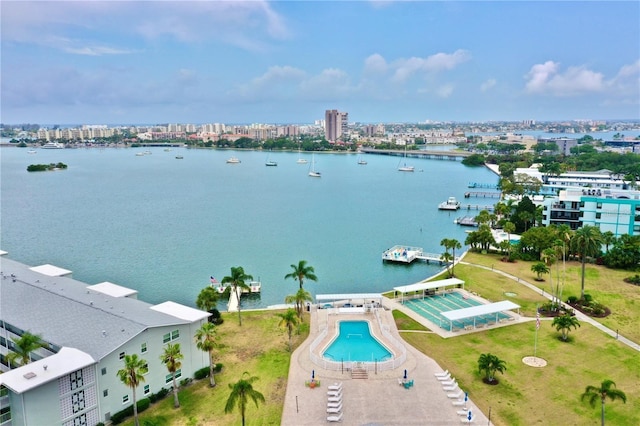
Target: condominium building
<point>87,331</point>
<point>335,124</point>
<point>612,210</point>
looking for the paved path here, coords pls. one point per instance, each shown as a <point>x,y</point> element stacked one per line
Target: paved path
<point>579,315</point>
<point>378,400</point>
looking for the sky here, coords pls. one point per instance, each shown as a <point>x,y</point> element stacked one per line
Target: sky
<point>149,62</point>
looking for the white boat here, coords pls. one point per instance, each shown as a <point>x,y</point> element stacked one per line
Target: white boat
<point>404,167</point>
<point>362,162</point>
<point>52,145</point>
<point>32,151</point>
<point>233,160</point>
<point>270,163</point>
<point>179,157</point>
<point>450,204</point>
<point>300,159</point>
<point>313,172</point>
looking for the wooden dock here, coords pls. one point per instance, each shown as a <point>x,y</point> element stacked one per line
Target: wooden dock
<point>478,194</point>
<point>466,221</point>
<point>407,254</point>
<point>475,207</point>
<point>483,185</point>
<point>432,155</point>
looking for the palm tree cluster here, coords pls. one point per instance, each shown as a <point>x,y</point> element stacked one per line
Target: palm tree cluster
<point>450,258</point>
<point>489,364</point>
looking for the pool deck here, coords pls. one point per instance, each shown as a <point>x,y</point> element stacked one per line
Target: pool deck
<point>378,400</point>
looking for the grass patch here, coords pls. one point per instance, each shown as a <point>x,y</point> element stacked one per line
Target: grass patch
<point>259,347</point>
<point>606,285</point>
<point>405,323</point>
<point>550,395</point>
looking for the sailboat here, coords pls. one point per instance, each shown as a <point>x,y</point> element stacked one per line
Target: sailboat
<point>404,167</point>
<point>300,159</point>
<point>313,172</point>
<point>270,163</point>
<point>361,161</point>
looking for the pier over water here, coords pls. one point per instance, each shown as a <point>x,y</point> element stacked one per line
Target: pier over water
<point>432,155</point>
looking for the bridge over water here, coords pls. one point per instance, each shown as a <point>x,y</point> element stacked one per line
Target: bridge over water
<point>433,155</point>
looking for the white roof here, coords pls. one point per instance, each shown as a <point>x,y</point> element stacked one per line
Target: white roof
<point>476,311</point>
<point>51,270</point>
<point>323,297</point>
<point>428,285</point>
<point>180,311</point>
<point>112,289</point>
<point>34,374</point>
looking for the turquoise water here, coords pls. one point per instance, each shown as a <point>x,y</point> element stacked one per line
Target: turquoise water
<point>431,308</point>
<point>163,226</point>
<point>355,343</point>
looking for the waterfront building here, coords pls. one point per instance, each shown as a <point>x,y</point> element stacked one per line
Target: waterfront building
<point>87,331</point>
<point>564,144</point>
<point>612,210</point>
<point>599,179</point>
<point>335,124</point>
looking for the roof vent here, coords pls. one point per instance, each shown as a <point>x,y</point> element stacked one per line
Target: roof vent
<point>29,375</point>
<point>104,333</point>
<point>91,303</point>
<point>45,367</point>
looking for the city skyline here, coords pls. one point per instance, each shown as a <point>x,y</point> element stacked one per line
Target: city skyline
<point>288,62</point>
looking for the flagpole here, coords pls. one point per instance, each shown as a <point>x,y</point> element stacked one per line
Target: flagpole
<point>535,344</point>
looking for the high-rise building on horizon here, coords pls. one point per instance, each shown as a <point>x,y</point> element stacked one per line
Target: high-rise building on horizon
<point>335,124</point>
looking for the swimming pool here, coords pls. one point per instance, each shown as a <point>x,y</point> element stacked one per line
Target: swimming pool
<point>355,343</point>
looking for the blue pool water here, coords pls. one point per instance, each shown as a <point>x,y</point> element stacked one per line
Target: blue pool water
<point>355,343</point>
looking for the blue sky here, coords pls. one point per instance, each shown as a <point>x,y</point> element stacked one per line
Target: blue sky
<point>286,62</point>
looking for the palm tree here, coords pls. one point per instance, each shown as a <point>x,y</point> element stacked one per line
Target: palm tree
<point>22,348</point>
<point>237,280</point>
<point>302,272</point>
<point>447,258</point>
<point>509,228</point>
<point>207,299</point>
<point>563,324</point>
<point>171,359</point>
<point>608,238</point>
<point>453,244</point>
<point>606,389</point>
<point>206,341</point>
<point>288,320</point>
<point>539,268</point>
<point>132,375</point>
<point>241,391</point>
<point>489,364</point>
<point>299,298</point>
<point>587,242</point>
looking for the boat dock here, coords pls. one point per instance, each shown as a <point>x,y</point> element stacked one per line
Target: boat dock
<point>407,254</point>
<point>478,194</point>
<point>475,207</point>
<point>432,155</point>
<point>232,304</point>
<point>483,185</point>
<point>466,221</point>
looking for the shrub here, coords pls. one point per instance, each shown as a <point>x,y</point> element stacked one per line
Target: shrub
<point>185,382</point>
<point>217,368</point>
<point>215,317</point>
<point>201,373</point>
<point>572,299</point>
<point>588,298</point>
<point>143,404</point>
<point>162,393</point>
<point>633,280</point>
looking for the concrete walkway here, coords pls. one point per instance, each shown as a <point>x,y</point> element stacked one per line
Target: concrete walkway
<point>378,400</point>
<point>582,317</point>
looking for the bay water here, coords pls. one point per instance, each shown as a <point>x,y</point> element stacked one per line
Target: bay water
<point>163,225</point>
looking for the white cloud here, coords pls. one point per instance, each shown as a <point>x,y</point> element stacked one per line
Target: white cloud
<point>547,79</point>
<point>405,68</point>
<point>488,84</point>
<point>375,64</point>
<point>445,90</point>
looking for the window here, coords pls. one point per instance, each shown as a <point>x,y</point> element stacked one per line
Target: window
<point>121,355</point>
<point>105,393</point>
<point>166,338</point>
<point>76,379</point>
<point>143,347</point>
<point>598,215</point>
<point>598,205</point>
<point>178,373</point>
<point>146,368</point>
<point>175,334</point>
<point>78,402</point>
<point>125,399</point>
<point>104,370</point>
<point>168,379</point>
<point>5,414</point>
<point>146,389</point>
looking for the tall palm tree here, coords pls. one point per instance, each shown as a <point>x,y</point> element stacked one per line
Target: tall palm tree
<point>586,241</point>
<point>606,390</point>
<point>171,359</point>
<point>288,320</point>
<point>299,298</point>
<point>206,341</point>
<point>207,299</point>
<point>489,364</point>
<point>241,391</point>
<point>237,281</point>
<point>22,348</point>
<point>509,228</point>
<point>453,244</point>
<point>132,375</point>
<point>302,272</point>
<point>564,323</point>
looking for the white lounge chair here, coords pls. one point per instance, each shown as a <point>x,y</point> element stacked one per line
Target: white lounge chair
<point>334,410</point>
<point>448,382</point>
<point>456,395</point>
<point>335,399</point>
<point>450,388</point>
<point>334,393</point>
<point>443,374</point>
<point>335,387</point>
<point>444,378</point>
<point>335,418</point>
<point>464,413</point>
<point>334,404</point>
<point>458,402</point>
<point>465,420</point>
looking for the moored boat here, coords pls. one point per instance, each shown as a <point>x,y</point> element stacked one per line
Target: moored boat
<point>233,160</point>
<point>450,204</point>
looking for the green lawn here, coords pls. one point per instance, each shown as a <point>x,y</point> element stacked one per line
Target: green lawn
<point>259,347</point>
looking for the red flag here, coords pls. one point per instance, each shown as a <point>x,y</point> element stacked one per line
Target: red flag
<point>537,320</point>
<point>213,281</point>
